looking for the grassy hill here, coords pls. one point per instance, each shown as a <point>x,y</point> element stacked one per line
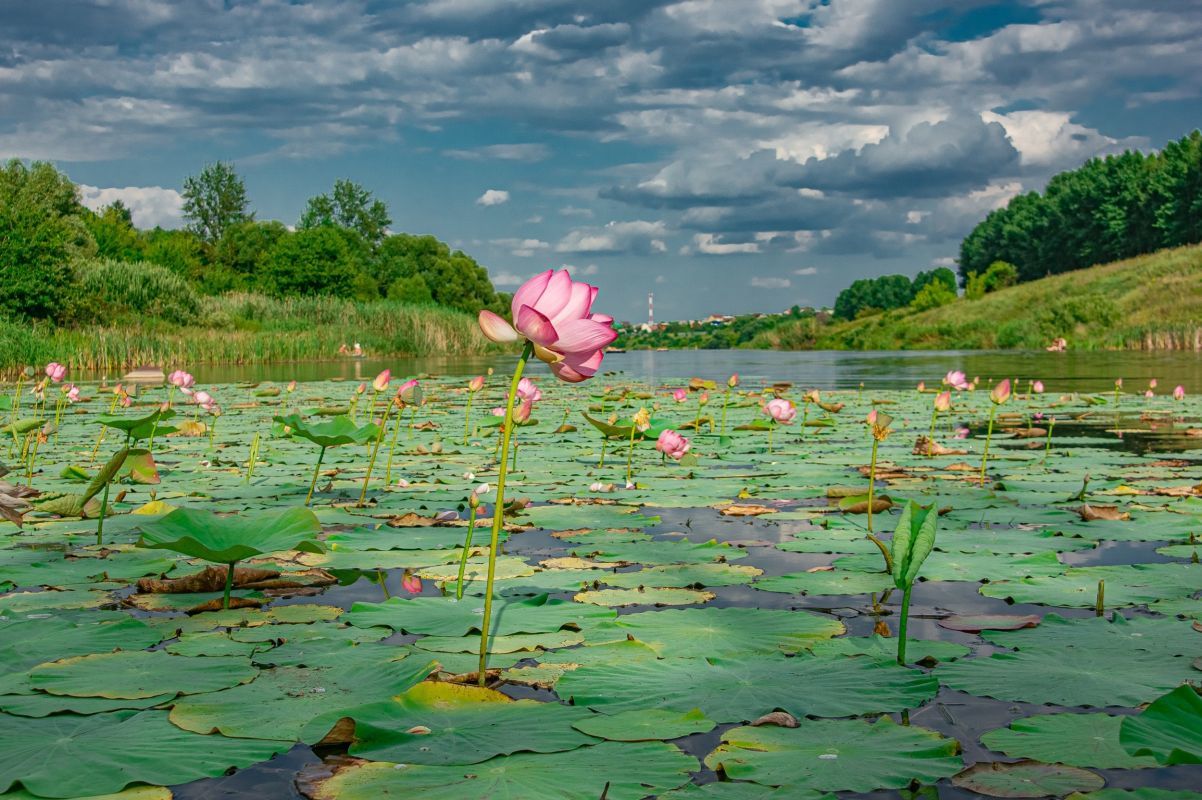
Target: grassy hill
<point>1151,302</point>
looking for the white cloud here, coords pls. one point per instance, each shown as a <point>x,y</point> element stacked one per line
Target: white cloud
<point>1050,139</point>
<point>149,206</point>
<point>616,237</point>
<point>502,152</point>
<point>709,244</point>
<point>493,197</point>
<point>508,279</point>
<point>574,211</point>
<point>522,247</point>
<point>770,283</point>
<point>588,269</point>
<point>806,271</point>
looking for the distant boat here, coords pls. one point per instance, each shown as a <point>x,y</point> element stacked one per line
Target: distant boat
<point>615,349</point>
<point>151,376</point>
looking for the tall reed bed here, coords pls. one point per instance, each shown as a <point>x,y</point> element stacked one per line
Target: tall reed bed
<point>243,329</point>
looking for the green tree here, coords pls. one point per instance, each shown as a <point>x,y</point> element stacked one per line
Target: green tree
<point>323,260</point>
<point>999,275</point>
<point>348,206</point>
<point>214,200</point>
<point>180,251</point>
<point>933,295</point>
<point>245,247</point>
<point>41,231</point>
<point>453,278</point>
<point>113,230</point>
<point>1178,184</point>
<point>938,275</point>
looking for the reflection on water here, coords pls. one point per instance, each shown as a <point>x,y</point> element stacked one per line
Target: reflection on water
<point>827,369</point>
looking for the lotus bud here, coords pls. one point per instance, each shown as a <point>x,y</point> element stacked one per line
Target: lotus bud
<point>381,381</point>
<point>522,413</point>
<point>642,419</point>
<point>1152,384</point>
<point>291,387</point>
<point>411,583</point>
<point>943,401</point>
<point>475,384</point>
<point>1179,392</point>
<point>1037,387</point>
<point>361,388</point>
<point>733,380</point>
<point>922,387</point>
<point>680,395</point>
<point>1000,393</point>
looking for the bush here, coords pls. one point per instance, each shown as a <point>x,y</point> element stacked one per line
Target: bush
<point>1000,275</point>
<point>933,295</point>
<point>114,288</point>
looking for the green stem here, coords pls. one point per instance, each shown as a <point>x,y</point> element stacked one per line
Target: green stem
<point>901,628</point>
<point>601,463</point>
<point>872,480</point>
<point>374,450</point>
<point>805,415</point>
<point>467,419</point>
<point>467,546</point>
<point>1100,602</point>
<point>498,515</point>
<point>104,505</point>
<point>412,416</point>
<point>630,455</point>
<point>1047,447</point>
<point>884,552</point>
<point>229,584</point>
<point>697,420</point>
<point>396,432</point>
<point>725,400</point>
<point>934,416</point>
<point>313,483</point>
<point>988,436</point>
<point>771,430</point>
<point>254,457</point>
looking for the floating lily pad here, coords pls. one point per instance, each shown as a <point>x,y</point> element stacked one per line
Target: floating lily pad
<point>614,598</point>
<point>1078,740</point>
<point>717,632</point>
<point>444,616</point>
<point>836,755</point>
<point>132,675</point>
<point>645,725</point>
<point>1027,779</point>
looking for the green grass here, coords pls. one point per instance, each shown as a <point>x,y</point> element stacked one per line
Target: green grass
<point>245,329</point>
<point>1151,302</point>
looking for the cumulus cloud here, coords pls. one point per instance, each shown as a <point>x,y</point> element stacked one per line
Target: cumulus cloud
<point>635,236</point>
<point>806,271</point>
<point>522,247</point>
<point>149,206</point>
<point>493,197</point>
<point>502,152</point>
<point>710,244</point>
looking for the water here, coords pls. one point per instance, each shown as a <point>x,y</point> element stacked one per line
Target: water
<point>824,369</point>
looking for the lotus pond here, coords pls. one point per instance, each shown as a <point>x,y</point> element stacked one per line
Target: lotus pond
<point>718,626</point>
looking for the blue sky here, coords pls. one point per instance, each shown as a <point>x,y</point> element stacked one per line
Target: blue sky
<point>729,155</point>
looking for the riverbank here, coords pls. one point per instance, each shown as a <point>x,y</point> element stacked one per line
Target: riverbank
<point>1152,302</point>
<point>246,329</point>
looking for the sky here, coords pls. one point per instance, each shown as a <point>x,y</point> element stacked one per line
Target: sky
<point>730,156</point>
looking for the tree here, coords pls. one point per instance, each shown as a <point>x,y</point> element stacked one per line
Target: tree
<point>113,229</point>
<point>317,261</point>
<point>245,246</point>
<point>178,250</point>
<point>933,295</point>
<point>348,206</point>
<point>214,200</point>
<point>999,275</point>
<point>41,231</point>
<point>453,278</point>
<point>938,275</point>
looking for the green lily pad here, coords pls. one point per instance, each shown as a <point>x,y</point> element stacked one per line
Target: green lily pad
<point>444,616</point>
<point>1026,779</point>
<point>139,674</point>
<point>1169,730</point>
<point>645,725</point>
<point>1078,740</point>
<point>631,769</point>
<point>836,755</point>
<point>71,756</point>
<point>228,539</point>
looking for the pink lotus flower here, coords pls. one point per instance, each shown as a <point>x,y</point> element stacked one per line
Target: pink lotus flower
<point>1179,392</point>
<point>410,392</point>
<point>1000,393</point>
<point>411,583</point>
<point>672,444</point>
<point>922,387</point>
<point>680,395</point>
<point>475,384</point>
<point>381,381</point>
<point>361,388</point>
<point>943,401</point>
<point>522,412</point>
<point>56,371</point>
<point>1152,384</point>
<point>1118,383</point>
<point>1149,394</point>
<point>291,387</point>
<point>528,390</point>
<point>961,433</point>
<point>781,410</point>
<point>733,380</point>
<point>956,379</point>
<point>499,411</point>
<point>554,312</point>
<point>202,398</point>
<point>181,379</point>
<point>1037,387</point>
<point>72,392</point>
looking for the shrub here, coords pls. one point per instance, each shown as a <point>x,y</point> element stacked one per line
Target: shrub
<point>933,295</point>
<point>113,288</point>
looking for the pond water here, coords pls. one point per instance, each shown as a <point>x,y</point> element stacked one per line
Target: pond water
<point>827,369</point>
<point>775,597</point>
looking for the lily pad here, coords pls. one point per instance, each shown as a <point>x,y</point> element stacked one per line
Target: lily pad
<point>1078,740</point>
<point>1026,779</point>
<point>132,675</point>
<point>1169,730</point>
<point>645,725</point>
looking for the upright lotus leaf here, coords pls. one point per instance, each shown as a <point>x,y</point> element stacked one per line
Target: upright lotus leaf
<point>230,539</point>
<point>338,431</point>
<point>69,756</point>
<point>912,543</point>
<point>136,428</point>
<point>80,505</point>
<point>1169,730</point>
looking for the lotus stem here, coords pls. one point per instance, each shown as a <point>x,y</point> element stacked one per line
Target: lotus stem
<point>725,400</point>
<point>601,463</point>
<point>771,430</point>
<point>697,420</point>
<point>872,480</point>
<point>467,546</point>
<point>884,552</point>
<point>934,416</point>
<point>254,457</point>
<point>1047,447</point>
<point>988,436</point>
<point>381,579</point>
<point>396,432</point>
<point>1099,607</point>
<point>412,416</point>
<point>316,470</point>
<point>467,419</point>
<point>902,624</point>
<point>371,463</point>
<point>212,428</point>
<point>630,454</point>
<point>104,504</point>
<point>805,414</point>
<point>229,584</point>
<point>498,515</point>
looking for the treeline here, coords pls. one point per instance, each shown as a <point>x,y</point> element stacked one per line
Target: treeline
<point>1109,209</point>
<point>62,262</point>
<point>866,296</point>
<point>698,335</point>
